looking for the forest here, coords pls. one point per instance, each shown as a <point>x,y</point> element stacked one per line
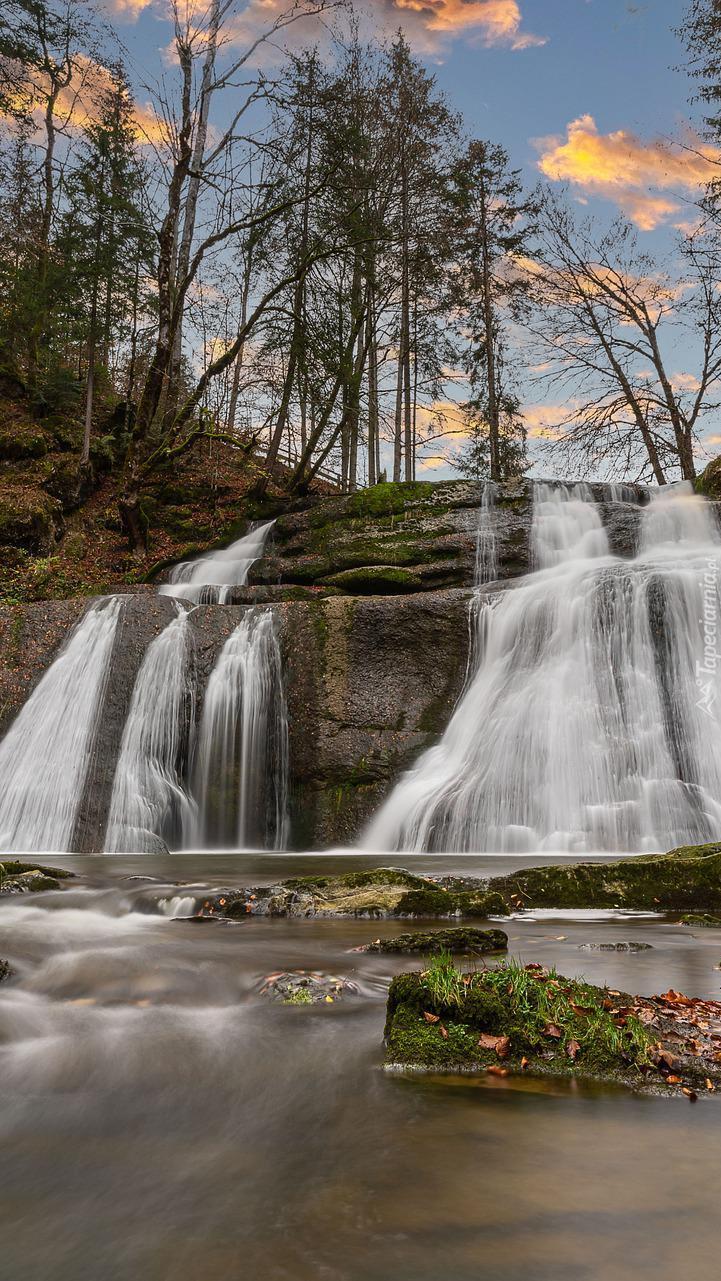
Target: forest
<point>288,249</point>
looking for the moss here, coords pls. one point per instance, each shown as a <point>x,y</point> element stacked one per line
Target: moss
<point>23,440</point>
<point>11,867</point>
<point>548,1020</point>
<point>389,497</point>
<point>701,919</point>
<point>709,482</point>
<point>438,902</point>
<point>376,580</point>
<point>687,878</point>
<point>461,940</point>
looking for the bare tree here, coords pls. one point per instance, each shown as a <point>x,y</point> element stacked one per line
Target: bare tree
<point>606,322</point>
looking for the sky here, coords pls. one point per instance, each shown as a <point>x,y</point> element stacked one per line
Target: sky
<point>590,92</point>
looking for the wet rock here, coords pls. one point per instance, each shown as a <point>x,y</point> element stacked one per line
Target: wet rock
<point>29,883</point>
<point>30,878</point>
<point>304,987</point>
<point>629,946</point>
<point>516,1019</point>
<point>460,940</point>
<point>381,892</point>
<point>6,971</point>
<point>686,878</point>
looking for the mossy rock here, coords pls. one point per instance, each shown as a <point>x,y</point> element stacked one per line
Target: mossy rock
<point>709,482</point>
<point>461,941</point>
<point>376,580</point>
<point>29,519</point>
<point>685,879</point>
<point>525,1018</point>
<point>6,971</point>
<point>20,440</point>
<point>702,920</point>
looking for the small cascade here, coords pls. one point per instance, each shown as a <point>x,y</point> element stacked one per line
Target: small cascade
<point>210,579</point>
<point>150,808</point>
<point>567,525</point>
<point>486,538</point>
<point>591,722</point>
<point>241,759</point>
<point>46,753</point>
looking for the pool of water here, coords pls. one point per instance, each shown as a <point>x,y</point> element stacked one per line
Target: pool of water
<point>159,1119</point>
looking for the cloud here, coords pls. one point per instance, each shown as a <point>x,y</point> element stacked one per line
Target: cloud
<point>128,9</point>
<point>79,104</point>
<point>496,21</point>
<point>645,179</point>
<point>428,24</point>
<point>543,422</point>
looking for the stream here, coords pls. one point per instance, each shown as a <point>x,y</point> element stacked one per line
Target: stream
<point>161,1120</point>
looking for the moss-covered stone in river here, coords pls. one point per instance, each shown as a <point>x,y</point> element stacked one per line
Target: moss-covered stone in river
<point>513,1016</point>
<point>461,940</point>
<point>686,878</point>
<point>701,920</point>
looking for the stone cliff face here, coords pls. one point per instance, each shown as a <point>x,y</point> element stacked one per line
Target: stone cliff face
<point>371,594</point>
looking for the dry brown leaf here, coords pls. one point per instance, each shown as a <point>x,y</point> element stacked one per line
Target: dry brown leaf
<point>553,1030</point>
<point>431,1018</point>
<point>572,1050</point>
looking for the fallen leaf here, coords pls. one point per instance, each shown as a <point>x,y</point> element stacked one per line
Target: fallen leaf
<point>710,1085</point>
<point>503,1048</point>
<point>572,1050</point>
<point>444,1032</point>
<point>487,1041</point>
<point>552,1030</point>
<point>431,1018</point>
<point>524,1063</point>
<point>691,1095</point>
<point>673,1080</point>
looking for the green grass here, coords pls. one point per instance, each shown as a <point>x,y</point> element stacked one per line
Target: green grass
<point>445,984</point>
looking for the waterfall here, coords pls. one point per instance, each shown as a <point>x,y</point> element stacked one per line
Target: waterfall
<point>590,723</point>
<point>150,807</point>
<point>210,579</point>
<point>46,753</point>
<point>486,541</point>
<point>241,762</point>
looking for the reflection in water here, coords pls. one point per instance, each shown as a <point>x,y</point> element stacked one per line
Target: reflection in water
<point>161,1121</point>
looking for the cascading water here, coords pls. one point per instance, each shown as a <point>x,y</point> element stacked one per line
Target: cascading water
<point>240,775</point>
<point>210,579</point>
<point>486,540</point>
<point>150,807</point>
<point>590,723</point>
<point>46,753</point>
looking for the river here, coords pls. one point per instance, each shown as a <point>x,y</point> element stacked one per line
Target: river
<point>161,1120</point>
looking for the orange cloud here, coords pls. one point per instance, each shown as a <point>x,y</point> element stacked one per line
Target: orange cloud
<point>498,21</point>
<point>79,104</point>
<point>428,24</point>
<point>622,167</point>
<point>543,422</point>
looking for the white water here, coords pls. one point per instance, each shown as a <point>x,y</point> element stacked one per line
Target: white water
<point>46,753</point>
<point>585,727</point>
<point>149,800</point>
<point>486,538</point>
<point>209,580</point>
<point>240,776</point>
